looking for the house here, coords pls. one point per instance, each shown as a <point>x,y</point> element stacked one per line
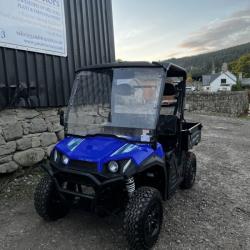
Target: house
<point>222,81</point>
<point>245,82</point>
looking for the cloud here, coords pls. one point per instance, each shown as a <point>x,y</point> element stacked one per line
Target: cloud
<point>131,33</point>
<point>139,43</point>
<point>220,33</point>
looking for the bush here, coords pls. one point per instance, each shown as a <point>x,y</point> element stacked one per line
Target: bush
<point>237,87</point>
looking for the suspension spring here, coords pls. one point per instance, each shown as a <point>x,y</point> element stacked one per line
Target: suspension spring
<point>130,185</point>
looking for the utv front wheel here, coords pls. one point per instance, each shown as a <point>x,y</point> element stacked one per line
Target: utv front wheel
<point>143,218</point>
<point>48,203</point>
<point>189,171</point>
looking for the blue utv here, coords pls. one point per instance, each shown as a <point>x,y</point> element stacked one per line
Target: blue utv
<point>127,146</point>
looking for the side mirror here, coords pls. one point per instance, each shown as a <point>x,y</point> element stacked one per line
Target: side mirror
<point>61,113</point>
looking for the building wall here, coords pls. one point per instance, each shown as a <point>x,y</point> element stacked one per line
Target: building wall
<point>226,103</point>
<point>38,80</point>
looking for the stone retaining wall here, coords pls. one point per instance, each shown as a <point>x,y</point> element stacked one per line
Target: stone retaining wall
<point>226,103</point>
<point>27,137</point>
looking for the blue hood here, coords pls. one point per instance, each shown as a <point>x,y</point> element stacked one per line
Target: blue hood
<point>91,149</point>
<point>101,149</point>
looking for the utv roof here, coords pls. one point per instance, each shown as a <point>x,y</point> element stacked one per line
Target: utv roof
<point>171,69</point>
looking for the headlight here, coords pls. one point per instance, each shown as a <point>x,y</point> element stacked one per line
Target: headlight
<point>65,160</point>
<point>113,167</point>
<point>55,155</point>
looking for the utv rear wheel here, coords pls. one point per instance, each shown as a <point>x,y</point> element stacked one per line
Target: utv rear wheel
<point>143,218</point>
<point>189,171</point>
<point>47,201</point>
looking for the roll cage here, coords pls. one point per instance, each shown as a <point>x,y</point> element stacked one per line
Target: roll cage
<point>171,71</point>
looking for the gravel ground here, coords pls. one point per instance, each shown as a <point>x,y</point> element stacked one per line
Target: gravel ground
<point>214,214</point>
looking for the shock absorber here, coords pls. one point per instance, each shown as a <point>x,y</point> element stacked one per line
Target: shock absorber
<point>130,185</point>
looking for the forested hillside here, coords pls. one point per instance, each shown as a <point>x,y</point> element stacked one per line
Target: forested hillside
<point>205,63</point>
<point>242,65</point>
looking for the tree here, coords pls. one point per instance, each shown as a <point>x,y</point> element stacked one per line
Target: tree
<point>197,72</point>
<point>189,78</point>
<point>237,87</point>
<point>242,65</point>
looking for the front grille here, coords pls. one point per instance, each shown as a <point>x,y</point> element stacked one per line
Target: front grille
<point>78,188</point>
<point>83,166</point>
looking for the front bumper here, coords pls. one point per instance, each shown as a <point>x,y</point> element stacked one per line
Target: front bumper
<point>96,181</point>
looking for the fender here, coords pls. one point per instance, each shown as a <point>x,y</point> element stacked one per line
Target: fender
<point>149,163</point>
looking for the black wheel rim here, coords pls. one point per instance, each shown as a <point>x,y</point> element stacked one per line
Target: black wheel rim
<point>152,223</point>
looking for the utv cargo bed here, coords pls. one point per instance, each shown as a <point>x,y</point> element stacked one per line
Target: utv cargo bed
<point>191,134</point>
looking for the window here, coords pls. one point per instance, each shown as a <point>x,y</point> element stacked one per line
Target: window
<point>223,81</point>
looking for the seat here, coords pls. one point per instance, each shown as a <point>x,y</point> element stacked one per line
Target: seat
<point>169,95</point>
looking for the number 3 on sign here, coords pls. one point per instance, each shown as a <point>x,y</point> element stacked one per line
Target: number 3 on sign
<point>2,34</point>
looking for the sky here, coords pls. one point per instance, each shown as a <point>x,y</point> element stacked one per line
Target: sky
<point>154,30</point>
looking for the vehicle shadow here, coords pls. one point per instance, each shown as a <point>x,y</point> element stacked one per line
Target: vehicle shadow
<point>99,232</point>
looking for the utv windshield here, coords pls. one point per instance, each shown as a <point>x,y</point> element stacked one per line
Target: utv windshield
<point>119,101</point>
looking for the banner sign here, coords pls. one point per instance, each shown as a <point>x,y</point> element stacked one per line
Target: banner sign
<point>33,25</point>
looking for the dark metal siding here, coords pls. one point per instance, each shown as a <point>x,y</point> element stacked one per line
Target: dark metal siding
<point>39,80</point>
